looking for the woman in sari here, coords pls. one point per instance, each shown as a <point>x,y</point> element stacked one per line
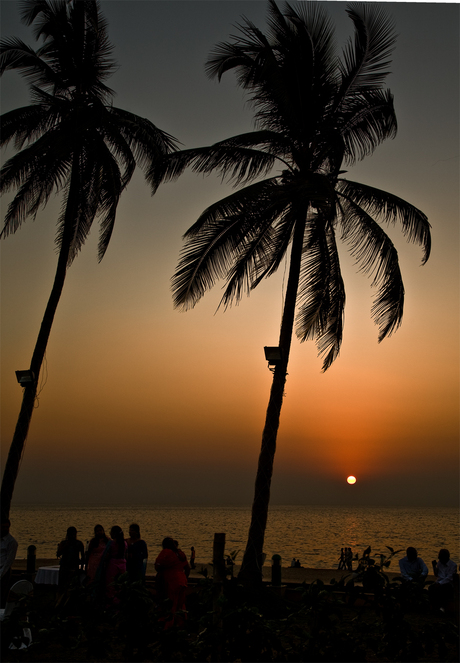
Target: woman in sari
<point>172,570</point>
<point>95,551</point>
<point>113,562</point>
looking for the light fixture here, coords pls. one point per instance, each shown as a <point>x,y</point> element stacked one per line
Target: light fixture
<point>25,378</point>
<point>272,355</point>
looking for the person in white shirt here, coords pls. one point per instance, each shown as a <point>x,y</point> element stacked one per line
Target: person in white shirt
<point>9,547</point>
<point>441,592</point>
<point>412,567</point>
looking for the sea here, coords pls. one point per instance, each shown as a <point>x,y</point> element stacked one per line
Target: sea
<point>312,534</point>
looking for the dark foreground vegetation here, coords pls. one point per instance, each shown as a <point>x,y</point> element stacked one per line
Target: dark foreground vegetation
<point>380,621</point>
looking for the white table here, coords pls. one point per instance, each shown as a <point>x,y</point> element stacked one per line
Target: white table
<point>47,575</point>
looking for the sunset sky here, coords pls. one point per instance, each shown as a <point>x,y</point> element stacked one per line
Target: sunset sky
<point>140,403</point>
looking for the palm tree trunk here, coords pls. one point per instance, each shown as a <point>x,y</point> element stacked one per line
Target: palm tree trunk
<point>13,461</point>
<point>251,567</point>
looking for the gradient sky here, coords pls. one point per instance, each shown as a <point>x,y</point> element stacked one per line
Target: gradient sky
<point>143,404</point>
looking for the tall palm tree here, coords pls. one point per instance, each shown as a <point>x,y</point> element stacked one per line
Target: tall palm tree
<point>70,139</point>
<point>314,114</point>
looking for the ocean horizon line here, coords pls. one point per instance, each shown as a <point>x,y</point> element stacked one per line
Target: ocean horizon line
<point>179,505</point>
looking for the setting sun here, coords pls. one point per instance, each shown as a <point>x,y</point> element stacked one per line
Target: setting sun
<point>351,479</point>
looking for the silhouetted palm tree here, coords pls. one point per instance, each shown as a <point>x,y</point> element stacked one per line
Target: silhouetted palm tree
<point>314,113</point>
<point>70,139</point>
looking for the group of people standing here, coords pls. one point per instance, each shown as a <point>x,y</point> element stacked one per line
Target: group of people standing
<point>295,563</point>
<point>346,559</point>
<point>105,559</point>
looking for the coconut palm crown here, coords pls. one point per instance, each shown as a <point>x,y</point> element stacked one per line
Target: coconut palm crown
<point>71,139</point>
<point>315,114</point>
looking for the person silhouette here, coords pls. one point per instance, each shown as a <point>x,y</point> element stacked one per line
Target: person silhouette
<point>71,553</point>
<point>113,563</point>
<point>172,568</point>
<point>95,551</point>
<point>137,554</point>
<point>348,559</point>
<point>9,548</point>
<point>441,592</point>
<point>412,567</point>
<point>342,558</point>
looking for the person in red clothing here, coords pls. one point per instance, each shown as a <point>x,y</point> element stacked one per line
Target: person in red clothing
<point>172,570</point>
<point>183,558</point>
<point>113,564</point>
<point>95,551</point>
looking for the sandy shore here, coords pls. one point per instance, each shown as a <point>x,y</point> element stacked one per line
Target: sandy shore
<point>288,574</point>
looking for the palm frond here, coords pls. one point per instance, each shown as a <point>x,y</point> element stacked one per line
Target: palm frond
<point>264,139</point>
<point>272,224</point>
<point>111,184</point>
<point>330,341</point>
<point>376,256</point>
<point>366,58</point>
<point>100,186</point>
<point>314,35</point>
<point>104,138</point>
<point>225,57</point>
<point>16,55</point>
<point>321,294</point>
<point>36,171</point>
<point>149,143</point>
<point>237,164</point>
<point>390,209</point>
<point>215,241</point>
<point>24,125</point>
<point>282,236</point>
<point>230,158</point>
<point>59,25</point>
<point>26,199</point>
<point>248,50</point>
<point>255,254</point>
<point>366,123</point>
<point>205,260</point>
